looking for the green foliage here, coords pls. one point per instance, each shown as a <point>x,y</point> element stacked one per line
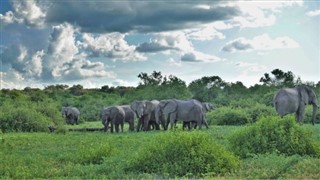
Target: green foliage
<point>98,155</point>
<point>228,116</point>
<point>308,115</point>
<point>273,134</point>
<point>22,117</point>
<point>257,111</point>
<point>183,154</point>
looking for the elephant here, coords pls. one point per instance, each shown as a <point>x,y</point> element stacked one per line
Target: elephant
<point>71,115</point>
<point>114,115</point>
<point>186,111</point>
<point>129,116</point>
<point>294,100</point>
<point>206,107</point>
<point>145,111</point>
<point>149,116</point>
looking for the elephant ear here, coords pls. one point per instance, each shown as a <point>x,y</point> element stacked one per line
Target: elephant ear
<point>304,95</point>
<point>148,107</point>
<point>171,106</point>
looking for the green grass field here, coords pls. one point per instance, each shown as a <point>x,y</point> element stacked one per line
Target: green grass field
<point>99,155</point>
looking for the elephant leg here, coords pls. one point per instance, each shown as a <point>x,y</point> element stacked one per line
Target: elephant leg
<point>173,119</point>
<point>185,124</point>
<point>300,113</point>
<point>146,124</point>
<point>131,125</point>
<point>122,127</point>
<point>139,124</point>
<point>106,126</point>
<point>163,124</point>
<point>111,128</point>
<point>157,127</point>
<point>117,128</point>
<point>199,123</point>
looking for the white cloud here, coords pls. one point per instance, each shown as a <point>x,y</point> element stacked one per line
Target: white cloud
<point>196,56</point>
<point>110,45</point>
<point>10,78</point>
<point>259,13</point>
<point>263,43</point>
<point>9,18</point>
<point>30,12</point>
<point>64,61</point>
<point>313,13</point>
<point>205,33</point>
<point>176,41</point>
<point>33,67</point>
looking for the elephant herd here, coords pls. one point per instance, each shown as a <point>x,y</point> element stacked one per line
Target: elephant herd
<point>153,114</point>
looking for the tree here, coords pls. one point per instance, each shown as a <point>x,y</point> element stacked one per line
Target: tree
<point>279,78</point>
<point>207,88</point>
<point>154,79</point>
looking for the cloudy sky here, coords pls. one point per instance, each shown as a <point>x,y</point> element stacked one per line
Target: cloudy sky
<point>95,43</point>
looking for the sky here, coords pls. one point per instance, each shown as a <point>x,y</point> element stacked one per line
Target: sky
<point>97,43</point>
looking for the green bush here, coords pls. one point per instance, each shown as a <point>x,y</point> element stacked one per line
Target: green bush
<point>274,134</point>
<point>308,115</point>
<point>228,116</point>
<point>22,119</point>
<point>257,111</point>
<point>183,154</point>
<point>28,116</point>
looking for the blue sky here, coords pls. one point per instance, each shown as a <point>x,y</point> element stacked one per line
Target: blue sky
<point>96,43</point>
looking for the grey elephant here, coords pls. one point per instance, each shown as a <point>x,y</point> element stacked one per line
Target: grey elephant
<point>294,100</point>
<point>206,107</point>
<point>71,115</point>
<point>115,116</point>
<point>145,112</point>
<point>186,111</point>
<point>129,116</point>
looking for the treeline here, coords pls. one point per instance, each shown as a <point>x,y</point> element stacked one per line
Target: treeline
<point>20,106</point>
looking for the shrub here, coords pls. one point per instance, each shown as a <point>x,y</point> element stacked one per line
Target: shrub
<point>274,134</point>
<point>28,116</point>
<point>260,110</point>
<point>22,119</point>
<point>183,154</point>
<point>228,116</point>
<point>308,115</point>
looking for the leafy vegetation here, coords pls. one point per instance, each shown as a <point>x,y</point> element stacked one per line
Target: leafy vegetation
<point>245,138</point>
<point>183,154</point>
<point>98,155</point>
<point>273,134</point>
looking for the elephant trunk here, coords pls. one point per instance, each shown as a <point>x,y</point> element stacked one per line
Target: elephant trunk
<point>314,113</point>
<point>157,114</point>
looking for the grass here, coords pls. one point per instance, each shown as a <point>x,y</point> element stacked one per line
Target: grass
<point>99,155</point>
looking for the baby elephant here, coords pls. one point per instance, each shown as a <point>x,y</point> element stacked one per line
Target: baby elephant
<point>115,116</point>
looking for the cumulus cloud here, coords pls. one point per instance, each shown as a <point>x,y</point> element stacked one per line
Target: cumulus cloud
<point>205,33</point>
<point>197,56</point>
<point>167,41</point>
<point>313,13</point>
<point>111,45</point>
<point>9,18</point>
<point>177,42</point>
<point>64,61</point>
<point>29,12</point>
<point>258,13</point>
<point>262,43</point>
